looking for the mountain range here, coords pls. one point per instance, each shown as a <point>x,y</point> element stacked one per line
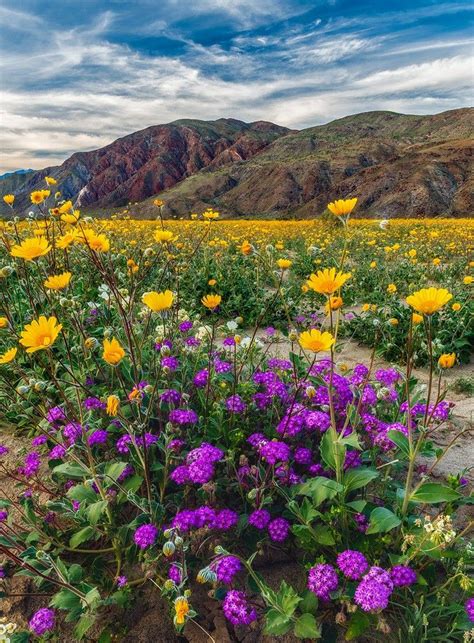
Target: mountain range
<point>396,164</point>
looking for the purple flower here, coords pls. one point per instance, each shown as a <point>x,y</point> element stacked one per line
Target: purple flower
<point>317,420</point>
<point>145,536</point>
<point>126,473</point>
<point>174,573</point>
<point>31,464</point>
<point>121,581</point>
<point>206,452</point>
<point>278,529</point>
<point>237,609</point>
<point>388,377</point>
<point>352,563</point>
<point>201,378</point>
<point>322,580</point>
<point>259,518</point>
<point>170,396</point>
<point>352,460</point>
<point>362,522</point>
<point>225,519</point>
<point>274,452</point>
<point>91,403</point>
<point>183,416</point>
<point>122,444</point>
<point>469,607</point>
<point>171,363</point>
<point>402,575</point>
<point>97,437</point>
<point>3,515</point>
<point>185,326</point>
<point>235,404</point>
<point>226,568</point>
<point>72,432</point>
<point>302,455</point>
<point>201,471</point>
<point>381,576</point>
<point>371,595</point>
<point>221,366</point>
<point>55,415</point>
<point>3,449</point>
<point>39,440</point>
<point>42,621</point>
<point>180,475</point>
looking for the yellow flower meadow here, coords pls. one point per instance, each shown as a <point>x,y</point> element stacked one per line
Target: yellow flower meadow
<point>40,334</point>
<point>165,236</point>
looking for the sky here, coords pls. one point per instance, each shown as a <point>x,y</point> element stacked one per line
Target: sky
<point>76,75</point>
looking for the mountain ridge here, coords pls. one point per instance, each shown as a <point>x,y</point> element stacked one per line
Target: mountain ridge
<point>398,165</point>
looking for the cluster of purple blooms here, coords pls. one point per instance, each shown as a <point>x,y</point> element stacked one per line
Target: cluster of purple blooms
<point>375,584</point>
<point>237,608</point>
<point>42,621</point>
<point>220,519</point>
<point>226,568</point>
<point>199,467</point>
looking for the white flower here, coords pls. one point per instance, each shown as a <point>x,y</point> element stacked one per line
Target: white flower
<point>232,325</point>
<point>383,224</point>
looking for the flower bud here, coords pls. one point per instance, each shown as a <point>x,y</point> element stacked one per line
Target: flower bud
<point>169,548</point>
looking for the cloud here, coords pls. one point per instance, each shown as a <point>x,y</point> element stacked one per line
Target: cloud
<point>78,86</point>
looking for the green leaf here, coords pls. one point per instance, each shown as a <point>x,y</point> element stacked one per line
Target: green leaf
<point>431,492</point>
<point>357,625</point>
<point>309,603</point>
<point>330,447</point>
<point>85,623</point>
<point>320,489</point>
<point>71,470</point>
<point>357,478</point>
<point>95,511</point>
<point>81,536</point>
<point>276,624</point>
<point>401,441</point>
<point>287,599</point>
<point>323,535</point>
<point>352,440</point>
<point>66,600</point>
<point>74,574</point>
<point>306,627</point>
<point>82,492</point>
<point>382,520</point>
<point>133,483</point>
<point>114,470</point>
<point>357,505</point>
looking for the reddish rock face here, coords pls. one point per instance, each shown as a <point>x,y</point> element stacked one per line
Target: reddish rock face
<point>142,164</point>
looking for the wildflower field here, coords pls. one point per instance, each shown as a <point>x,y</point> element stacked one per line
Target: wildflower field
<point>176,422</point>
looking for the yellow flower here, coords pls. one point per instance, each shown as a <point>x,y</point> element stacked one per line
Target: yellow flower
<point>66,239</point>
<point>416,318</point>
<point>38,196</point>
<point>8,356</point>
<point>412,253</point>
<point>246,248</point>
<point>342,207</point>
<point>393,321</point>
<point>327,281</point>
<point>163,236</point>
<point>391,289</point>
<point>316,341</point>
<point>158,203</point>
<point>334,302</point>
<point>429,300</point>
<point>31,248</point>
<point>158,301</point>
<point>211,301</point>
<point>211,282</point>
<point>40,334</point>
<point>113,351</point>
<point>436,261</point>
<point>456,306</point>
<point>113,404</point>
<point>96,242</point>
<point>9,198</point>
<point>58,282</point>
<point>3,322</point>
<point>71,217</point>
<point>373,264</point>
<point>447,360</point>
<point>210,214</point>
<point>284,264</point>
<point>304,288</point>
<point>181,607</point>
<point>50,181</point>
<point>65,207</point>
<point>467,280</point>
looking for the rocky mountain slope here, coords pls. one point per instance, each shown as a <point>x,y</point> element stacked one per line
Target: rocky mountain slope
<point>397,165</point>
